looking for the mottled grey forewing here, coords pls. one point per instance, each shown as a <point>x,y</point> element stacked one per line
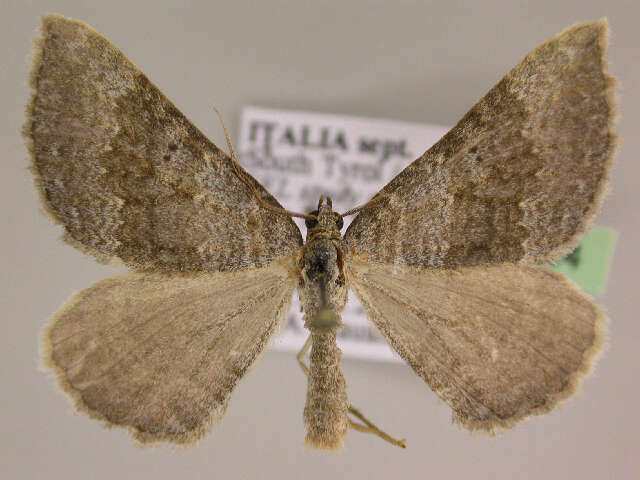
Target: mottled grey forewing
<point>496,343</point>
<point>517,178</point>
<point>128,175</point>
<point>160,353</point>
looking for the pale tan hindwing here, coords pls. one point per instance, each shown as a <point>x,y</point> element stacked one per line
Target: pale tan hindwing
<point>127,175</point>
<point>496,343</point>
<point>159,354</point>
<point>517,179</point>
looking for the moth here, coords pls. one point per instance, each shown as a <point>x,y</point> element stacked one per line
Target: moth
<point>445,259</point>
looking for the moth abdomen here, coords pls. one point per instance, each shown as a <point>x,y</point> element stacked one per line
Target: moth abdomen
<point>327,406</point>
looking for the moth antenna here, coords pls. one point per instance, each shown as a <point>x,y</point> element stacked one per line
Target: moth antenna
<point>373,201</point>
<point>243,176</point>
<point>232,151</point>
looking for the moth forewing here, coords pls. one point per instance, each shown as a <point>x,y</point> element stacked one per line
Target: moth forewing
<point>127,175</point>
<point>517,179</point>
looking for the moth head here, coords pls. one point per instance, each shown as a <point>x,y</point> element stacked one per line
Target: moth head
<point>325,216</point>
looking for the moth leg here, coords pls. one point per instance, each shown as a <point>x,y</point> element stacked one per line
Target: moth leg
<point>369,427</point>
<point>303,351</point>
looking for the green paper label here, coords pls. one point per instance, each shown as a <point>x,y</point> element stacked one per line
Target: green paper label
<point>588,265</point>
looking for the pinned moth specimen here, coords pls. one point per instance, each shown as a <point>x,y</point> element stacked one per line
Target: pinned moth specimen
<point>445,258</point>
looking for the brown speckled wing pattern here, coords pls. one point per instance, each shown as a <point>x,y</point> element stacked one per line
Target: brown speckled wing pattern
<point>127,175</point>
<point>517,179</point>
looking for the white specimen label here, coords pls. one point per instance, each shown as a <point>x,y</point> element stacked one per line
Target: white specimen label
<point>299,156</point>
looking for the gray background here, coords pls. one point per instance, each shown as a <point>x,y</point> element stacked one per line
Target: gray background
<point>413,61</point>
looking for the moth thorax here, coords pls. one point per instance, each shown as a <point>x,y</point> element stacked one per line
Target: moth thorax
<point>323,290</point>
